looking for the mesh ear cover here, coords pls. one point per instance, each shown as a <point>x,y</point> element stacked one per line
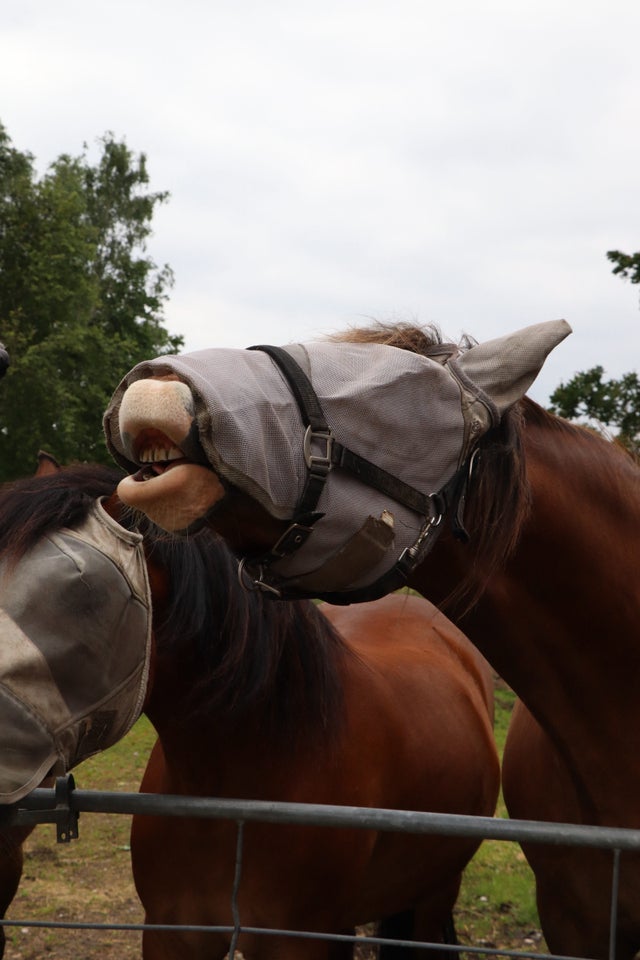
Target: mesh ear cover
<point>75,635</point>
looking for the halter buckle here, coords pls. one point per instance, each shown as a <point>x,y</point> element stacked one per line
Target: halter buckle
<point>319,463</point>
<point>292,539</point>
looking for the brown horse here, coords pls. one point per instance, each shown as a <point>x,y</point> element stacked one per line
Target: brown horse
<point>547,589</point>
<point>260,700</point>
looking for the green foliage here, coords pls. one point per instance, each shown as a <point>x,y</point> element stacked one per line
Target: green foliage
<point>614,403</point>
<point>80,302</point>
<point>626,265</point>
<point>610,403</point>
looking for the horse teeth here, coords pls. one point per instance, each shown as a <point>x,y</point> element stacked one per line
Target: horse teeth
<point>158,455</point>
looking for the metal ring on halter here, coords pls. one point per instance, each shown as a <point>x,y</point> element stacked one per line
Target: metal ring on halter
<point>435,521</point>
<point>251,583</point>
<point>472,462</point>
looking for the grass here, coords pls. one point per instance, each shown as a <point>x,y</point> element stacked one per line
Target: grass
<point>497,905</point>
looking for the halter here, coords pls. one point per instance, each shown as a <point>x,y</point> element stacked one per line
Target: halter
<point>322,453</point>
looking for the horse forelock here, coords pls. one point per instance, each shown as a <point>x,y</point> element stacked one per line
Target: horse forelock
<point>424,340</point>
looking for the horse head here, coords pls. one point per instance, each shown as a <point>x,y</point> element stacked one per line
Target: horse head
<point>364,446</point>
<point>75,623</point>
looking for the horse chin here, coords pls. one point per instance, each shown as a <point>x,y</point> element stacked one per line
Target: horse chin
<point>178,499</point>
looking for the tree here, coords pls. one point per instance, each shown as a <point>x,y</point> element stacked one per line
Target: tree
<point>613,403</point>
<point>80,301</point>
<point>627,265</point>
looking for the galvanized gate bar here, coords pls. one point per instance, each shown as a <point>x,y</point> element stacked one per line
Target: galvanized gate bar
<point>37,808</point>
<point>615,889</point>
<point>299,934</point>
<point>63,804</point>
<point>235,908</point>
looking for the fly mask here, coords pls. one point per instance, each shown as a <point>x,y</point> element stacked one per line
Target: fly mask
<point>362,447</point>
<point>75,640</point>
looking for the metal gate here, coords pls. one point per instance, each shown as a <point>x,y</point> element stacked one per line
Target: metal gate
<point>63,804</point>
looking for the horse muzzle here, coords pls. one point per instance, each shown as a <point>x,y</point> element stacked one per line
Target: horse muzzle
<point>157,422</point>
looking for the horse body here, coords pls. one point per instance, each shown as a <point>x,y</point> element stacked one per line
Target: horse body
<point>553,514</point>
<point>381,705</point>
<point>416,734</point>
<point>559,622</point>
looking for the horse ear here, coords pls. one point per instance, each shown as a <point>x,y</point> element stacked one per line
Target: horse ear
<point>505,368</point>
<point>47,464</point>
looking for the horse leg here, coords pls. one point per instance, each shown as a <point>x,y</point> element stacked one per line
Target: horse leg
<point>180,945</point>
<point>11,861</point>
<point>573,885</point>
<point>573,891</point>
<point>400,926</point>
<point>423,924</point>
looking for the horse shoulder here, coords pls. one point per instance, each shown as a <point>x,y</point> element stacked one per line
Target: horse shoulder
<point>420,689</point>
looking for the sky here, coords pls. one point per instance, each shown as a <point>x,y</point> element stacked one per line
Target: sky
<point>466,164</point>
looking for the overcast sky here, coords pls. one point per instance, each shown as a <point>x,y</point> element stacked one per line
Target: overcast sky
<point>464,163</point>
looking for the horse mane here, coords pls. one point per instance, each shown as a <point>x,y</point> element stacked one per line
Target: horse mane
<point>32,507</point>
<point>498,500</point>
<point>426,340</point>
<point>607,456</point>
<point>538,416</point>
<point>245,649</point>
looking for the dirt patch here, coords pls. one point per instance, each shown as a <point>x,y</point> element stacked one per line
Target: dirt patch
<point>68,883</point>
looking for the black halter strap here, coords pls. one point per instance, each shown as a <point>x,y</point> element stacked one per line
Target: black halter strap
<point>335,454</point>
<point>322,453</point>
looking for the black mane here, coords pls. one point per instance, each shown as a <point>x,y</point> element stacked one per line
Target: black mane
<point>244,648</point>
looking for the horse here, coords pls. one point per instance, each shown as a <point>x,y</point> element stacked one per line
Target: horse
<point>544,584</point>
<point>383,705</point>
<point>12,837</point>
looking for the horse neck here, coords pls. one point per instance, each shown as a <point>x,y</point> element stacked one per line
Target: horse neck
<point>559,621</point>
<point>201,749</point>
<point>294,701</point>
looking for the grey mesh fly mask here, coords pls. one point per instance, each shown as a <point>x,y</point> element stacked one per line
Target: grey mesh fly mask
<point>390,456</point>
<point>75,637</point>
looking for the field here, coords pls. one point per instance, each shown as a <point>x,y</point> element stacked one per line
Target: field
<point>89,880</point>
